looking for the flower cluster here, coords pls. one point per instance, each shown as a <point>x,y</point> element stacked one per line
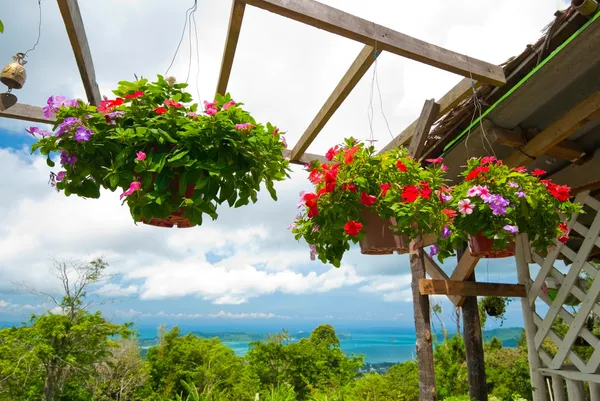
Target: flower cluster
<point>499,203</point>
<point>161,151</point>
<point>355,180</point>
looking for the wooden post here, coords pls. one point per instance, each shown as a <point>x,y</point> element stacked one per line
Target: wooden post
<point>575,390</point>
<point>427,388</point>
<point>558,388</point>
<point>594,392</point>
<point>537,380</point>
<point>473,344</point>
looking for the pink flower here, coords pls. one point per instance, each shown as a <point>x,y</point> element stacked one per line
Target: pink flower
<point>245,126</point>
<point>211,111</point>
<point>211,105</point>
<point>133,187</point>
<point>228,105</point>
<point>61,175</point>
<point>465,207</point>
<point>444,167</point>
<point>192,115</point>
<point>275,131</point>
<point>283,141</point>
<point>140,156</point>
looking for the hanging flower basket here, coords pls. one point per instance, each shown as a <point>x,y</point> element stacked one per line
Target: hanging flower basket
<point>482,247</point>
<point>173,162</point>
<point>379,238</point>
<point>494,306</point>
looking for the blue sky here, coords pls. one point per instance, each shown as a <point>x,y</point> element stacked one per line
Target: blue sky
<point>245,268</point>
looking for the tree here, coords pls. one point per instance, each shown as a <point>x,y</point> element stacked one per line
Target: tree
<point>119,375</point>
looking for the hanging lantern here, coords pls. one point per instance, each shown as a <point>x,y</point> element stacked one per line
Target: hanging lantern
<point>13,74</point>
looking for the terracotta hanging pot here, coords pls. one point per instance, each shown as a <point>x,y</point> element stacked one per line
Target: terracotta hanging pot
<point>379,238</point>
<point>482,247</point>
<point>176,218</point>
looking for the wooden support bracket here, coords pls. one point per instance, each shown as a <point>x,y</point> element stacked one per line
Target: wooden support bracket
<point>470,288</point>
<point>233,34</point>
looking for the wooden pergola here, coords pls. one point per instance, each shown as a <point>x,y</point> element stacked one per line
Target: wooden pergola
<point>460,287</point>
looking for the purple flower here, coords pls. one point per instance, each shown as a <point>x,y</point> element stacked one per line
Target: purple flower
<point>83,134</point>
<point>48,111</point>
<point>61,175</point>
<point>116,114</point>
<point>301,201</point>
<point>71,103</point>
<point>446,232</point>
<point>433,250</point>
<point>520,193</point>
<point>37,131</point>
<point>446,197</point>
<point>313,252</point>
<point>67,124</point>
<point>283,141</point>
<point>292,226</point>
<point>513,184</point>
<point>497,203</point>
<point>511,229</point>
<point>65,158</point>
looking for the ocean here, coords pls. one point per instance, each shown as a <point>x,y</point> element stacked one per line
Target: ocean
<point>377,345</point>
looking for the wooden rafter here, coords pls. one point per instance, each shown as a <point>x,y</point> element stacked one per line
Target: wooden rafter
<point>422,128</point>
<point>233,34</point>
<point>457,94</point>
<point>359,67</point>
<point>330,19</point>
<point>26,112</point>
<point>71,15</point>
<point>557,132</point>
<point>470,288</point>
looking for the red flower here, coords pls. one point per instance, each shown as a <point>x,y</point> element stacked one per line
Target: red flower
<point>160,110</point>
<point>353,228</point>
<point>488,159</point>
<point>425,193</point>
<point>348,187</point>
<point>563,238</point>
<point>329,187</point>
<point>135,95</point>
<point>475,173</point>
<point>349,154</point>
<point>537,172</point>
<point>563,227</point>
<point>560,192</point>
<point>367,199</point>
<point>315,176</point>
<point>331,153</point>
<point>450,213</point>
<point>437,160</point>
<point>172,103</point>
<point>521,169</point>
<point>546,183</point>
<point>384,189</point>
<point>401,166</point>
<point>117,102</point>
<point>313,212</point>
<point>410,193</point>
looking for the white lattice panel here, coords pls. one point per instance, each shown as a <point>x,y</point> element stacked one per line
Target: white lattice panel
<point>574,317</point>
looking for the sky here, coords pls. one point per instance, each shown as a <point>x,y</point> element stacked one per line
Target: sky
<point>246,268</point>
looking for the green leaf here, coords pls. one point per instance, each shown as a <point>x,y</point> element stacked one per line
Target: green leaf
<point>49,162</point>
<point>1,27</point>
<point>271,189</point>
<point>178,156</point>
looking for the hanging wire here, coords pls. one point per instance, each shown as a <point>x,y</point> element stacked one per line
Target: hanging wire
<point>192,8</point>
<point>370,110</point>
<point>192,14</point>
<point>381,103</point>
<point>39,28</point>
<point>197,55</point>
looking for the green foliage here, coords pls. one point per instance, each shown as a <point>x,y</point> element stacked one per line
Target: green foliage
<point>189,162</point>
<point>451,367</point>
<point>1,27</point>
<point>533,206</point>
<point>494,306</point>
<point>392,185</point>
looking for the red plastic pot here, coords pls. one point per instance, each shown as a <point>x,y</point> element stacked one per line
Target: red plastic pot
<point>379,239</point>
<point>481,246</point>
<point>176,218</point>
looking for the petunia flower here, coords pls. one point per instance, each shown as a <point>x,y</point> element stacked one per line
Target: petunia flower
<point>283,141</point>
<point>513,184</point>
<point>133,187</point>
<point>384,189</point>
<point>228,105</point>
<point>511,229</point>
<point>537,172</point>
<point>244,127</point>
<point>434,161</point>
<point>433,250</point>
<point>172,103</point>
<point>367,199</point>
<point>520,169</point>
<point>410,193</point>
<point>313,251</point>
<point>353,228</point>
<point>61,175</point>
<point>160,110</point>
<point>135,95</point>
<point>192,115</point>
<point>83,134</point>
<point>36,131</point>
<point>520,193</point>
<point>140,156</point>
<point>332,152</point>
<point>446,232</point>
<point>401,166</point>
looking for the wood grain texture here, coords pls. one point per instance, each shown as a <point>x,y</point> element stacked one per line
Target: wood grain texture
<point>357,70</point>
<point>330,19</point>
<point>69,9</point>
<point>26,112</point>
<point>424,123</point>
<point>233,34</point>
<point>470,288</point>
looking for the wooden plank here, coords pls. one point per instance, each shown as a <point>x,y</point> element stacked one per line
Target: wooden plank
<point>427,389</point>
<point>575,390</point>
<point>470,288</point>
<point>357,70</point>
<point>450,100</point>
<point>565,150</point>
<point>424,123</point>
<point>437,273</point>
<point>26,112</point>
<point>330,19</point>
<point>71,16</point>
<point>558,388</point>
<point>305,159</point>
<point>572,374</point>
<point>557,132</point>
<point>464,268</point>
<point>233,34</point>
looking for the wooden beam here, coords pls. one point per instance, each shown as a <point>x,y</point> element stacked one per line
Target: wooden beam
<point>565,150</point>
<point>578,176</point>
<point>436,273</point>
<point>233,34</point>
<point>557,132</point>
<point>330,19</point>
<point>450,100</point>
<point>26,112</point>
<point>71,15</point>
<point>470,288</point>
<point>305,159</point>
<point>464,269</point>
<point>359,67</point>
<point>424,123</point>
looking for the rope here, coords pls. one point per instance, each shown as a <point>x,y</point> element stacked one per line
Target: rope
<point>39,29</point>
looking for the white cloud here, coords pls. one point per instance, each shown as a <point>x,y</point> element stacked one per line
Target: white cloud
<point>131,313</point>
<point>3,304</point>
<point>115,290</point>
<point>392,289</point>
<point>260,315</point>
